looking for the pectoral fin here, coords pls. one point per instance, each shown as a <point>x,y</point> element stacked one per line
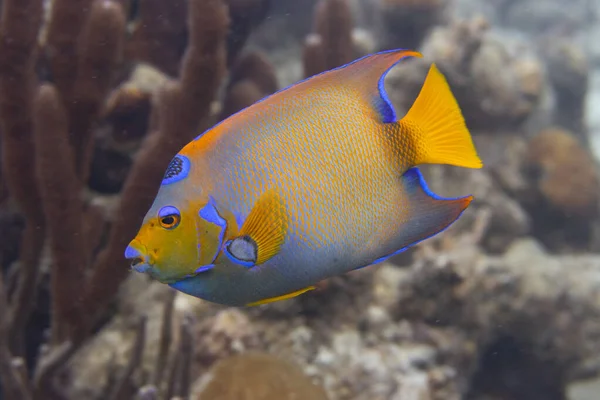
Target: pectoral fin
<point>282,297</point>
<point>262,234</point>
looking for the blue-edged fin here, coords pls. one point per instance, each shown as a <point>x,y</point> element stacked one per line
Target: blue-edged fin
<point>283,297</point>
<point>367,76</point>
<point>262,233</point>
<point>210,226</point>
<point>436,126</point>
<point>429,214</point>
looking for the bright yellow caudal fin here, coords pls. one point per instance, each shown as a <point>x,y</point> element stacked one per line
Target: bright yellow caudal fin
<point>278,298</point>
<point>437,126</point>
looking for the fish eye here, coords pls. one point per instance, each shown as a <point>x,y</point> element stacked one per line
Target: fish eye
<point>169,217</point>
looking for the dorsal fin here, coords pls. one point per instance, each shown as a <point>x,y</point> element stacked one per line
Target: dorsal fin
<point>367,75</point>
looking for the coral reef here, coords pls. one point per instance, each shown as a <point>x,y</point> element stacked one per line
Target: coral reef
<point>565,189</point>
<point>251,78</point>
<point>405,23</point>
<point>256,376</point>
<point>568,72</point>
<point>96,96</point>
<point>497,90</point>
<point>331,43</point>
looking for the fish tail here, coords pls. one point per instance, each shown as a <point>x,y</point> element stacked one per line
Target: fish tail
<point>437,126</point>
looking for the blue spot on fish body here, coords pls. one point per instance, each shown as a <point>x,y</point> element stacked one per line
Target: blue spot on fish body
<point>177,170</point>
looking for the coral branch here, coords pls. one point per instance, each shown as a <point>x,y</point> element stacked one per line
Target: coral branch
<point>165,340</point>
<point>333,22</point>
<point>331,43</point>
<point>245,15</point>
<point>99,51</point>
<point>159,35</point>
<point>67,19</point>
<point>251,78</point>
<point>186,350</point>
<point>134,361</point>
<point>18,34</point>
<point>47,368</point>
<point>63,206</point>
<point>182,105</point>
<point>13,384</point>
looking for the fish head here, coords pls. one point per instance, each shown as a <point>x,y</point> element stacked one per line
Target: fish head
<point>166,246</point>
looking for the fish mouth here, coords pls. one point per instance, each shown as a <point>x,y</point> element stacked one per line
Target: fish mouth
<point>135,252</point>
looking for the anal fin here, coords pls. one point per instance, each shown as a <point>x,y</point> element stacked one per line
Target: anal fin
<point>282,297</point>
<point>429,214</point>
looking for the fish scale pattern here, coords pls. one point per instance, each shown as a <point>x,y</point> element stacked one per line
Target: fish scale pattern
<point>324,148</point>
<point>329,160</point>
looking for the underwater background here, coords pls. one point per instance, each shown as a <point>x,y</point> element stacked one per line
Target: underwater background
<point>97,96</point>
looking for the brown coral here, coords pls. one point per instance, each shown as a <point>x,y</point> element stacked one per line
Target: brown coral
<point>568,71</point>
<point>331,44</point>
<point>47,172</point>
<point>568,178</point>
<point>257,376</point>
<point>18,34</point>
<point>565,191</point>
<point>405,23</point>
<point>497,91</point>
<point>159,34</point>
<point>252,77</point>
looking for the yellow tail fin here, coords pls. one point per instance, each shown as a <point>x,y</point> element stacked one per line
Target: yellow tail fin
<point>437,126</point>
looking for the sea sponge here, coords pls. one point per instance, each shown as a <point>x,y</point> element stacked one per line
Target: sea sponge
<point>567,176</point>
<point>257,376</point>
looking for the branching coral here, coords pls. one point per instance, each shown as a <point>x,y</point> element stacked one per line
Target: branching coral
<point>330,45</point>
<point>252,77</point>
<point>48,138</point>
<point>18,34</point>
<point>405,23</point>
<point>159,34</point>
<point>183,106</point>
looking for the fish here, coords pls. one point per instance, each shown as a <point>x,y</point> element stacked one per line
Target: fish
<point>313,181</point>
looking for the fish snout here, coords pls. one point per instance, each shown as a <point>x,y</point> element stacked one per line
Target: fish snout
<point>136,253</point>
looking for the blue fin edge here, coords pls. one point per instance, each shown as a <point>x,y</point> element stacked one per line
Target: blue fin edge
<point>210,213</point>
<point>415,173</point>
<point>203,268</point>
<point>384,105</point>
<point>233,258</point>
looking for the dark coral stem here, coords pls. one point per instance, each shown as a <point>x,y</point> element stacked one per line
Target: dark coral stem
<point>63,207</point>
<point>12,382</point>
<point>135,359</point>
<point>333,22</point>
<point>165,340</point>
<point>67,20</point>
<point>18,38</point>
<point>182,106</point>
<point>100,49</point>
<point>159,35</point>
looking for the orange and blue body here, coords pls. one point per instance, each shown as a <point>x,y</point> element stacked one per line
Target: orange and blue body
<point>313,181</point>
